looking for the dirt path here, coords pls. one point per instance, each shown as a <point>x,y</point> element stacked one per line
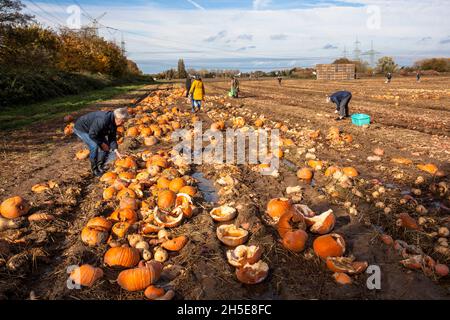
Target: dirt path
<point>35,155</point>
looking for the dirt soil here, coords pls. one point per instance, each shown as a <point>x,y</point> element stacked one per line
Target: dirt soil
<point>410,120</point>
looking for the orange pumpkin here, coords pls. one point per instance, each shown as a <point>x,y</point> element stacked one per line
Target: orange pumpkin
<point>150,141</point>
<point>285,223</point>
<point>119,184</point>
<point>176,184</point>
<point>348,138</point>
<point>109,193</point>
<point>93,237</point>
<point>120,229</point>
<point>163,183</point>
<point>277,207</point>
<point>68,130</point>
<point>350,172</point>
<point>140,278</point>
<point>175,244</point>
<point>126,163</point>
<point>14,207</point>
<point>166,199</point>
<point>342,278</point>
<point>127,176</point>
<point>128,203</point>
<point>175,125</point>
<point>146,132</point>
<point>132,132</point>
<point>99,223</point>
<point>189,190</point>
<point>323,223</point>
<point>124,257</point>
<point>109,178</point>
<point>259,123</point>
<point>430,168</point>
<point>330,245</point>
<point>295,241</point>
<point>83,154</point>
<point>126,193</point>
<point>315,164</point>
<point>125,215</point>
<point>153,292</point>
<point>346,265</point>
<point>305,174</point>
<point>86,275</point>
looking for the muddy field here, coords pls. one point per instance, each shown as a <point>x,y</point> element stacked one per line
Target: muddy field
<point>390,196</point>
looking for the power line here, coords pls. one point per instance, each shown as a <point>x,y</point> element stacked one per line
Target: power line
<point>48,13</point>
<point>42,17</point>
<point>59,5</point>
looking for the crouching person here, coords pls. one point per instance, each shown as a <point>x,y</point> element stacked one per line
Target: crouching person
<point>98,130</point>
<point>342,100</point>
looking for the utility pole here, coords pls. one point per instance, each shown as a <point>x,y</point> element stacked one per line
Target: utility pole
<point>372,54</point>
<point>357,51</point>
<point>344,54</point>
<point>122,45</point>
<point>95,22</point>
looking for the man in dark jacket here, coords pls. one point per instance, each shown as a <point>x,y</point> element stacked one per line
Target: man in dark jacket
<point>99,131</point>
<point>342,100</point>
<point>388,77</point>
<point>188,85</point>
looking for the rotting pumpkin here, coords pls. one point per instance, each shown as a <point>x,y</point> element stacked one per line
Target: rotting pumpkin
<point>124,257</point>
<point>138,279</point>
<point>14,207</point>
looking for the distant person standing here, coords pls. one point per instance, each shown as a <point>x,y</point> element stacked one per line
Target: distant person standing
<point>388,77</point>
<point>188,85</point>
<point>418,76</point>
<point>279,80</point>
<point>235,87</point>
<point>197,92</point>
<point>342,100</point>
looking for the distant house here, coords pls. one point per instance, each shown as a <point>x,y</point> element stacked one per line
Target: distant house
<point>336,71</point>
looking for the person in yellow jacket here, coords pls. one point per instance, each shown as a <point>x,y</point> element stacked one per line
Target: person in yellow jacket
<point>197,94</point>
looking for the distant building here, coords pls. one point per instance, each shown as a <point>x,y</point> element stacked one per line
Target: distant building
<point>336,71</point>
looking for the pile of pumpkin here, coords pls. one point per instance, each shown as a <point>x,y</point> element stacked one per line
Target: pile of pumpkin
<point>153,193</point>
<point>12,209</point>
<point>292,221</point>
<point>250,269</point>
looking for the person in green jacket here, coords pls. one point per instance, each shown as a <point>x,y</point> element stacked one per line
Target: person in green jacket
<point>197,94</point>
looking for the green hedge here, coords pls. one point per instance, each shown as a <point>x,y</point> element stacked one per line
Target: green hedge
<point>20,88</point>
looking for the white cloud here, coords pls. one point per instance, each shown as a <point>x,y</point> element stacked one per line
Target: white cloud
<point>261,4</point>
<point>181,33</point>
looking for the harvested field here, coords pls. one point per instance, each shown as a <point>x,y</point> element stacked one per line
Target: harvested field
<point>411,127</point>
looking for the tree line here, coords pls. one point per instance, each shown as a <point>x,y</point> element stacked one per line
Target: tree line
<point>37,63</point>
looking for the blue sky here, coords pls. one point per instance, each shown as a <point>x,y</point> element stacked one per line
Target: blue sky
<point>261,34</point>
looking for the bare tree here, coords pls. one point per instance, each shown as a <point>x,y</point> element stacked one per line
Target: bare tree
<point>11,13</point>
